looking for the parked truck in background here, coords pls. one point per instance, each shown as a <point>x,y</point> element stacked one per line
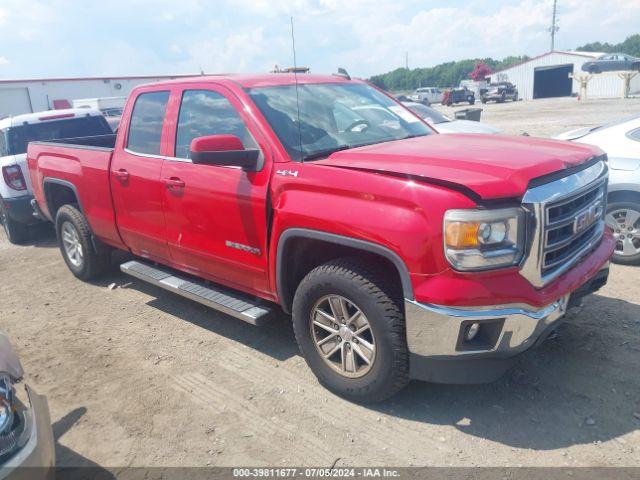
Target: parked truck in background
<point>399,253</point>
<point>16,213</point>
<point>110,107</point>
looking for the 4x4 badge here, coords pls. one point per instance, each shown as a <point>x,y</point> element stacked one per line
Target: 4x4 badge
<point>293,173</point>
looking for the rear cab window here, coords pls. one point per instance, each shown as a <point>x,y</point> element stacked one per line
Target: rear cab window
<point>147,121</point>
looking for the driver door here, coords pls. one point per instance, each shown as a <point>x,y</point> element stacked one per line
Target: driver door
<point>216,216</point>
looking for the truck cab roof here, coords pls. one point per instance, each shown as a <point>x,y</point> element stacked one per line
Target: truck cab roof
<point>261,80</point>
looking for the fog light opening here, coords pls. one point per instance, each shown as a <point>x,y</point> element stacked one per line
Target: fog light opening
<point>472,331</point>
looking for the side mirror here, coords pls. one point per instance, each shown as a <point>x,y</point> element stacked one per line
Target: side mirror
<point>224,150</point>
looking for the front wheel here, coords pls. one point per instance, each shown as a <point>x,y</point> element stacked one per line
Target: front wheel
<point>16,232</point>
<point>350,329</point>
<point>624,218</point>
<point>74,239</point>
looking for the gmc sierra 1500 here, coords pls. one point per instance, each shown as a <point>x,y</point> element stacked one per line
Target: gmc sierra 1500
<point>400,253</point>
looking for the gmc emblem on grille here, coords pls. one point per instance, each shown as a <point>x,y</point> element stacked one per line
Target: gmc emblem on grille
<point>587,218</point>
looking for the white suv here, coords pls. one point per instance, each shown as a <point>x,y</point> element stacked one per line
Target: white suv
<point>16,213</point>
<point>427,95</point>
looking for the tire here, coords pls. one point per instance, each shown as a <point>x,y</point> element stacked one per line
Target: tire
<point>16,232</point>
<point>484,101</point>
<point>72,227</point>
<point>364,289</point>
<point>503,97</point>
<point>617,220</point>
<point>471,100</point>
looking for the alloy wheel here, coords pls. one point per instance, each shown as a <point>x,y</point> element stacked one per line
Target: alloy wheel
<point>343,336</point>
<point>626,230</point>
<point>71,243</point>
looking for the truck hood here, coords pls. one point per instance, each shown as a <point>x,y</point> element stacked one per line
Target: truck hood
<point>491,166</point>
<point>9,362</point>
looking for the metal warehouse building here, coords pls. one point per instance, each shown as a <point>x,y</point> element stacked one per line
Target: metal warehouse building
<point>548,76</point>
<point>27,96</point>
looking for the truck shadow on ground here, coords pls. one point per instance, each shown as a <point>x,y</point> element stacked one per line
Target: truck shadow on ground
<point>275,339</point>
<point>581,386</point>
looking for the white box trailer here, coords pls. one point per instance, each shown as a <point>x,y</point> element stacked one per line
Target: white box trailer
<point>103,104</point>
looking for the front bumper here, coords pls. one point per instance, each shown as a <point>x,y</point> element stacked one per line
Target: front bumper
<point>440,352</point>
<point>19,209</point>
<point>36,458</point>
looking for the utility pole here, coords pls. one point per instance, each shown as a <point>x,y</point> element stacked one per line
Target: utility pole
<point>406,60</point>
<point>554,25</point>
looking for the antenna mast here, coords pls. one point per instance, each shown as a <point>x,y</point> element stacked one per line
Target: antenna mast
<point>295,76</point>
<point>554,25</point>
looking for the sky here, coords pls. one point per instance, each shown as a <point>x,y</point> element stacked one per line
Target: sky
<point>70,38</point>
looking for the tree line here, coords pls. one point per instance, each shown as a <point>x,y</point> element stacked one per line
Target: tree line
<point>450,74</point>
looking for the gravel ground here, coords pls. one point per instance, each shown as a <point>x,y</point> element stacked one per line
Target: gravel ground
<point>138,377</point>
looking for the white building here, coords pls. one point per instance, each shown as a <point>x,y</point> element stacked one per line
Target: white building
<point>26,96</point>
<point>548,76</point>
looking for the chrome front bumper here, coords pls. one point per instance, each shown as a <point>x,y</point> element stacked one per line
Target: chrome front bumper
<point>438,331</point>
<point>439,351</point>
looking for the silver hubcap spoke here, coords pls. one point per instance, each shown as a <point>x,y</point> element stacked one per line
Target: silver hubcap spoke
<point>342,335</point>
<point>626,232</point>
<point>71,243</point>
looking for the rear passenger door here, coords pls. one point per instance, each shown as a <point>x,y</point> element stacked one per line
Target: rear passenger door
<point>216,216</point>
<point>135,177</point>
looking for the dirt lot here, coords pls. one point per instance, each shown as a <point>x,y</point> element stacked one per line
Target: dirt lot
<point>138,377</point>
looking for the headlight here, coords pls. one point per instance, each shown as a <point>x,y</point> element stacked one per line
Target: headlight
<point>484,239</point>
<point>6,404</point>
<point>16,418</point>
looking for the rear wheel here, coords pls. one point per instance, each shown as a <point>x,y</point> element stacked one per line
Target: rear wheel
<point>624,218</point>
<point>74,238</point>
<point>471,99</point>
<point>350,329</point>
<point>16,232</point>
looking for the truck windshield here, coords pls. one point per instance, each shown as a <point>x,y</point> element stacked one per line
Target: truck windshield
<point>19,137</point>
<point>332,117</point>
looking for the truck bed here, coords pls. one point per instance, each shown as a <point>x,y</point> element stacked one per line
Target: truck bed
<point>82,166</point>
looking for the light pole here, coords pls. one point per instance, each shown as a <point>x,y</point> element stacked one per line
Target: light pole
<point>554,25</point>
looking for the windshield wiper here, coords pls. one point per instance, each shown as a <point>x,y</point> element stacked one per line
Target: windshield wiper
<point>324,153</point>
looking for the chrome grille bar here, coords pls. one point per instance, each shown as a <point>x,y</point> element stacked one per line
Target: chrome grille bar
<point>566,221</point>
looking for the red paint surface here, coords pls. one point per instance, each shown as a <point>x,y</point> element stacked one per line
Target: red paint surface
<point>393,194</point>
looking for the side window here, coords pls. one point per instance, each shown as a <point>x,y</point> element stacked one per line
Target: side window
<point>147,118</point>
<point>634,134</point>
<point>204,112</point>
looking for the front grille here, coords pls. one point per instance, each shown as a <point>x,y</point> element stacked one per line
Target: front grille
<point>566,221</point>
<point>572,225</point>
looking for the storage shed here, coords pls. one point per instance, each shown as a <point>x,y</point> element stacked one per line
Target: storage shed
<point>547,76</point>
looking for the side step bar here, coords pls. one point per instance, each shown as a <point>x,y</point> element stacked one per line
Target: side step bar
<point>219,298</point>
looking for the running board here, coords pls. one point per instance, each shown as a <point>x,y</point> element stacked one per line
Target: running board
<point>219,298</point>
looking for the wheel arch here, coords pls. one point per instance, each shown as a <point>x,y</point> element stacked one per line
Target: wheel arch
<point>623,196</point>
<point>327,246</point>
<point>58,192</point>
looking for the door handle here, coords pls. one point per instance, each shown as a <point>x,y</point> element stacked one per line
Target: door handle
<point>121,174</point>
<point>173,182</point>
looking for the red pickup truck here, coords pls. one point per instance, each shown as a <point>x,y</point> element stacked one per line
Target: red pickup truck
<point>399,253</point>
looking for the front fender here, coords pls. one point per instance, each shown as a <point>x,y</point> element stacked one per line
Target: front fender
<point>399,216</point>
